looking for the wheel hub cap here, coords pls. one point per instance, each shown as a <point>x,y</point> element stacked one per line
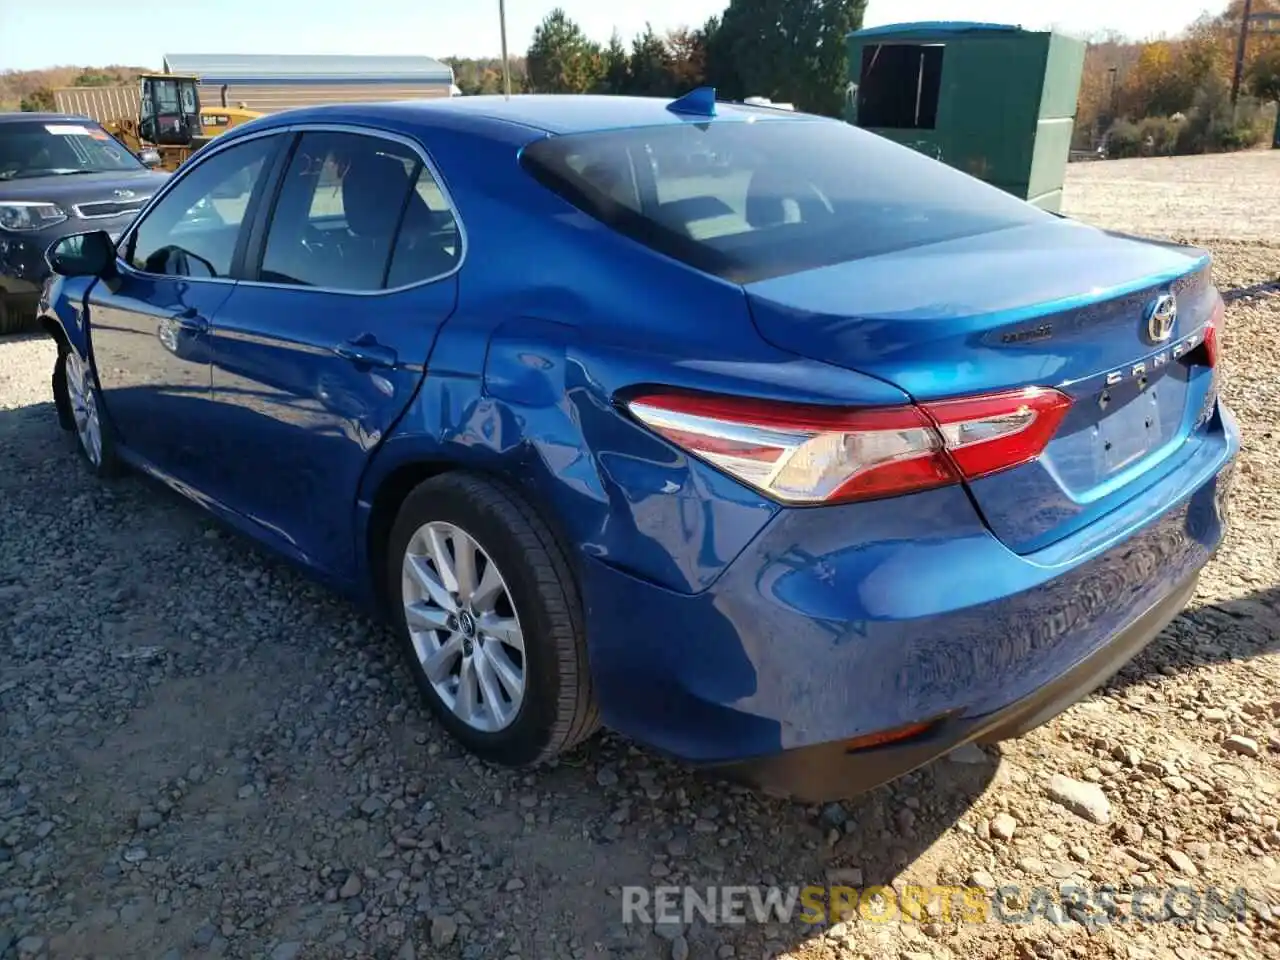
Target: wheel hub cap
<point>464,626</point>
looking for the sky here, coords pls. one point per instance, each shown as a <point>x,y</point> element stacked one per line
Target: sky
<point>141,32</point>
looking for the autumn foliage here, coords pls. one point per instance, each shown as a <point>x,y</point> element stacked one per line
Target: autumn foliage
<point>1173,95</point>
<point>33,89</point>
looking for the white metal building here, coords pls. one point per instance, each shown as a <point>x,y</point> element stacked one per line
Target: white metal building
<point>271,83</point>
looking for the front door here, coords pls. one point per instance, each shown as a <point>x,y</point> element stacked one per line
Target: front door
<point>150,325</point>
<point>320,349</point>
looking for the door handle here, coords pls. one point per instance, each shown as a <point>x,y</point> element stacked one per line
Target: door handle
<point>366,351</point>
<point>190,321</point>
<point>182,328</point>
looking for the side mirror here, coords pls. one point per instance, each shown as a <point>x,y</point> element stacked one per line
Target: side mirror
<point>83,255</point>
<point>150,157</point>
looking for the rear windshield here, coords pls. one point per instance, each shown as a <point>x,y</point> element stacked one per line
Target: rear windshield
<point>746,201</point>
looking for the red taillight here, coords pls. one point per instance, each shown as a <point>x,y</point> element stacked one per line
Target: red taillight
<point>1001,430</point>
<point>813,454</point>
<point>1211,333</point>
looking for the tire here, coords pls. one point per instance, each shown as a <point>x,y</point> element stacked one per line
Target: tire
<point>555,709</point>
<point>61,400</point>
<point>90,428</point>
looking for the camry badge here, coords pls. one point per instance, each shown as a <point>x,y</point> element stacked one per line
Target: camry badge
<point>124,194</point>
<point>1163,314</point>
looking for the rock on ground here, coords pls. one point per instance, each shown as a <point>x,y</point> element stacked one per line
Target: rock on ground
<point>1083,799</point>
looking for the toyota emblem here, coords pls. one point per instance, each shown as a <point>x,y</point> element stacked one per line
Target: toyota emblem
<point>1163,314</point>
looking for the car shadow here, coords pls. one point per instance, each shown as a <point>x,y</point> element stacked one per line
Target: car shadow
<point>1208,632</point>
<point>29,430</point>
<point>25,334</point>
<point>1232,294</point>
<point>629,818</point>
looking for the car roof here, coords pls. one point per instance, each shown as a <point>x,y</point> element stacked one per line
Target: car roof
<point>548,113</point>
<point>43,118</point>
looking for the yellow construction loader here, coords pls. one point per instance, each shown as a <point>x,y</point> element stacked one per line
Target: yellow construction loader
<point>165,116</point>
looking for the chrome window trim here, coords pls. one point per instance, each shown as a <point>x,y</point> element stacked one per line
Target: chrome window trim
<point>207,153</point>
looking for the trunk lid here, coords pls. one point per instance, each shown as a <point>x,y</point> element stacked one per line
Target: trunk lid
<point>1055,304</point>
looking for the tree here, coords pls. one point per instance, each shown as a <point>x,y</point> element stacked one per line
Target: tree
<point>1154,86</point>
<point>651,73</point>
<point>484,75</point>
<point>615,76</point>
<point>1264,75</point>
<point>96,78</point>
<point>561,59</point>
<point>1176,75</point>
<point>826,72</point>
<point>688,59</point>
<point>38,101</point>
<point>793,49</point>
<point>1168,74</point>
<point>721,67</point>
<point>750,43</point>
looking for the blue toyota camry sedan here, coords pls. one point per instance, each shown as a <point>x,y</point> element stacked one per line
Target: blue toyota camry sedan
<point>773,445</point>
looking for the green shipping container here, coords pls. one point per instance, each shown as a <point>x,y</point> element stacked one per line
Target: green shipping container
<point>993,100</point>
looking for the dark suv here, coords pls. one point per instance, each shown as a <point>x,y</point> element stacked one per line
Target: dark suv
<point>58,175</point>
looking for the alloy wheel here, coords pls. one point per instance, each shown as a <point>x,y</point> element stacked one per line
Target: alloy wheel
<point>464,626</point>
<point>84,408</point>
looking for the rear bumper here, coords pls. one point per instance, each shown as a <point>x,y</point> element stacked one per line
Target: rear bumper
<point>842,622</point>
<point>830,772</point>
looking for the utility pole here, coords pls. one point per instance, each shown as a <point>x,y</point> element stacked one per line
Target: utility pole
<point>1244,39</point>
<point>506,64</point>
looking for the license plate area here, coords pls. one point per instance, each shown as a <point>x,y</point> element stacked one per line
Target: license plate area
<point>1137,420</point>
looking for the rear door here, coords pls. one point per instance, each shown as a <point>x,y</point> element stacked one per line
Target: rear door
<point>319,350</point>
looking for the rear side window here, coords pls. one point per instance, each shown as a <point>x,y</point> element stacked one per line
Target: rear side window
<point>746,201</point>
<point>358,213</point>
<point>429,243</point>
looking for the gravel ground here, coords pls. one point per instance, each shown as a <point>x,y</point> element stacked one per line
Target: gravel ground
<point>1227,195</point>
<point>203,755</point>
